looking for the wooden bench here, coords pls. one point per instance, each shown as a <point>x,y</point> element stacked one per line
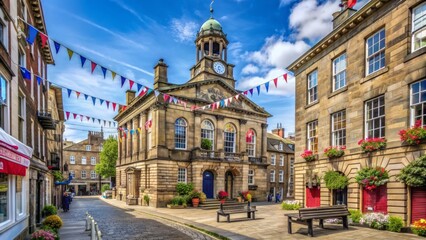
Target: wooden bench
<point>226,211</point>
<point>307,215</point>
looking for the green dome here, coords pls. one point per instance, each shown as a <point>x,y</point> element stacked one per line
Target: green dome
<point>211,23</point>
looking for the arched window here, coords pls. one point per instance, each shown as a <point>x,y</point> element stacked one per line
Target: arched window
<point>216,49</point>
<point>207,132</point>
<point>229,138</point>
<point>251,143</point>
<point>180,133</point>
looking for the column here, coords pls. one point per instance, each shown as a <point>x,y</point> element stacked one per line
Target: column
<point>197,129</point>
<point>135,137</point>
<point>120,147</point>
<point>226,55</point>
<point>143,135</point>
<point>197,52</point>
<point>242,137</point>
<point>220,50</point>
<point>128,142</point>
<point>219,133</point>
<point>264,140</point>
<point>210,47</point>
<point>202,49</point>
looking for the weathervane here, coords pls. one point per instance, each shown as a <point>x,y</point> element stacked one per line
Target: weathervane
<point>211,9</point>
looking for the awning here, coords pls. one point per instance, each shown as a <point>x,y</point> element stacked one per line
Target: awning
<point>14,155</point>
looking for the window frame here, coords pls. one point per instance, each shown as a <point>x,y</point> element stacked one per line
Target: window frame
<point>85,174</point>
<point>4,38</point>
<point>281,160</point>
<point>414,31</point>
<point>22,123</point>
<point>93,174</point>
<point>185,176</point>
<point>4,104</point>
<point>272,176</point>
<point>374,54</point>
<point>181,139</point>
<point>314,87</point>
<point>91,161</point>
<point>420,103</point>
<point>342,130</point>
<point>281,176</point>
<point>88,148</point>
<point>273,160</point>
<point>10,210</point>
<point>206,132</point>
<point>250,176</point>
<point>72,159</point>
<point>309,138</point>
<point>234,136</point>
<point>251,146</point>
<point>85,160</point>
<point>335,74</point>
<point>366,119</point>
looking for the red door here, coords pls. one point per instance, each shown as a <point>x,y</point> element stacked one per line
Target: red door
<point>313,197</point>
<point>375,200</point>
<point>418,203</point>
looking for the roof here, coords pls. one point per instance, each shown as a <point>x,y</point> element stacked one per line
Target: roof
<point>37,12</point>
<point>59,103</point>
<point>337,33</point>
<point>211,24</point>
<point>274,140</point>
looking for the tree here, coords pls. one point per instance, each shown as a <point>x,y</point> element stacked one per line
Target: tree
<point>109,155</point>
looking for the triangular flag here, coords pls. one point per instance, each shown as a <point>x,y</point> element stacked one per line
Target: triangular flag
<point>245,92</point>
<point>237,96</point>
<point>75,115</point>
<point>67,114</point>
<point>93,120</point>
<point>267,86</point>
<point>222,103</point>
<point>258,90</point>
<point>171,99</point>
<point>32,34</point>
<point>57,46</point>
<point>131,82</point>
<point>113,75</point>
<point>43,38</point>
<point>38,80</point>
<point>165,97</point>
<point>123,80</point>
<point>156,93</point>
<point>25,73</point>
<point>139,86</point>
<point>88,118</point>
<point>69,92</point>
<point>114,105</point>
<point>93,65</point>
<point>83,60</point>
<point>285,77</point>
<point>101,101</point>
<point>351,3</point>
<point>107,103</point>
<point>94,101</point>
<point>251,92</point>
<point>78,94</point>
<point>139,129</point>
<point>70,53</point>
<point>104,71</point>
<point>149,91</point>
<point>99,121</point>
<point>175,100</point>
<point>86,96</point>
<point>104,122</point>
<point>230,99</point>
<point>81,118</point>
<point>142,93</point>
<point>276,82</point>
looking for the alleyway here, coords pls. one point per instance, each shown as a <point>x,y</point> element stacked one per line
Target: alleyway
<point>117,223</point>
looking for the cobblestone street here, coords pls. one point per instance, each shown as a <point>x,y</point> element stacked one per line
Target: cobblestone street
<point>117,223</point>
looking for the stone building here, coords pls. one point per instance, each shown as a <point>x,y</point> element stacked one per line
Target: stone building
<point>363,80</point>
<point>81,159</point>
<point>281,168</point>
<point>168,148</point>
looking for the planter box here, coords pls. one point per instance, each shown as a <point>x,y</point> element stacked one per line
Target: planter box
<point>175,206</point>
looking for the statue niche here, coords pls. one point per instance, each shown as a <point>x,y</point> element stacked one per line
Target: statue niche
<point>215,94</point>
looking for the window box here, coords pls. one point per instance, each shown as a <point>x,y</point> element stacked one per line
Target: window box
<point>372,144</point>
<point>413,135</point>
<point>334,152</point>
<point>308,155</point>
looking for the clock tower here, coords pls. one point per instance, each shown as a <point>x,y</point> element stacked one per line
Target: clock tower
<point>211,48</point>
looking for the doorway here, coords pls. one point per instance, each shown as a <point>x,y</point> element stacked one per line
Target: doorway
<point>208,184</point>
<point>340,196</point>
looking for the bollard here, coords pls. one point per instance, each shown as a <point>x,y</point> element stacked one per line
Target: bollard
<point>98,233</point>
<point>93,235</point>
<point>87,221</point>
<point>91,227</point>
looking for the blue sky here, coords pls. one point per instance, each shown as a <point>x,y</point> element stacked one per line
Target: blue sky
<point>129,36</point>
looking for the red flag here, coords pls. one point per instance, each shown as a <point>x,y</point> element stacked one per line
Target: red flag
<point>351,3</point>
<point>285,77</point>
<point>93,66</point>
<point>142,93</point>
<point>192,108</point>
<point>77,93</point>
<point>43,38</point>
<point>165,97</point>
<point>68,115</point>
<point>123,108</point>
<point>275,82</point>
<point>131,82</point>
<point>75,115</point>
<point>148,124</point>
<point>114,105</point>
<point>249,136</point>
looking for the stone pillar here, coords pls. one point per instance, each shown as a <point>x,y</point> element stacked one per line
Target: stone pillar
<point>142,136</point>
<point>128,141</point>
<point>197,129</point>
<point>220,50</point>
<point>197,52</point>
<point>242,138</point>
<point>264,140</point>
<point>226,55</point>
<point>135,137</point>
<point>120,147</point>
<point>210,47</point>
<point>219,133</point>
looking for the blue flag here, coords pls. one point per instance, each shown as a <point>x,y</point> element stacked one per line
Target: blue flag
<point>258,90</point>
<point>25,73</point>
<point>86,96</point>
<point>32,34</point>
<point>104,71</point>
<point>149,91</point>
<point>94,101</point>
<point>57,46</point>
<point>69,92</point>
<point>101,101</point>
<point>38,80</point>
<point>139,86</point>
<point>123,80</point>
<point>267,86</point>
<point>83,60</point>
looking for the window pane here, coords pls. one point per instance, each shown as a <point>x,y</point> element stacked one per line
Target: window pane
<point>180,134</point>
<point>375,122</point>
<point>18,195</point>
<point>4,197</point>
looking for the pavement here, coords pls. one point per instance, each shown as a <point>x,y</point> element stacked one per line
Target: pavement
<point>116,220</point>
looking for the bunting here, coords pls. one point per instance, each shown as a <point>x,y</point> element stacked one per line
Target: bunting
<point>83,60</point>
<point>88,118</point>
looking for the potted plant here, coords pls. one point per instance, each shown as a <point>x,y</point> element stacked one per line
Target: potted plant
<point>413,173</point>
<point>371,178</point>
<point>334,152</point>
<point>308,155</point>
<point>240,197</point>
<point>195,196</point>
<point>335,180</point>
<point>419,227</point>
<point>249,197</point>
<point>222,195</point>
<point>206,144</point>
<point>372,144</point>
<point>413,135</point>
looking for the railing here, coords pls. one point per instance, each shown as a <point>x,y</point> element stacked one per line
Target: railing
<point>92,226</point>
<point>209,154</point>
<point>45,119</point>
<point>255,159</point>
<point>233,156</point>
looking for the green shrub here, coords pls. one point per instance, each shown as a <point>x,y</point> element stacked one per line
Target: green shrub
<point>290,205</point>
<point>146,198</point>
<point>57,176</point>
<point>206,144</point>
<point>194,194</point>
<point>53,221</point>
<point>356,215</point>
<point>203,197</point>
<point>395,224</point>
<point>49,210</point>
<point>335,180</point>
<point>51,230</point>
<point>184,188</point>
<point>105,187</point>
<point>180,200</point>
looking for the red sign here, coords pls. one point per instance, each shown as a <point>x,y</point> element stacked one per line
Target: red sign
<point>11,161</point>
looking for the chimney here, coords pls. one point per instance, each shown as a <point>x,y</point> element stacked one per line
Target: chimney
<point>279,130</point>
<point>130,95</point>
<point>160,74</point>
<point>343,14</point>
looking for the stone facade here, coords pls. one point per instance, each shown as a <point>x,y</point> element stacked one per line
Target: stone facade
<point>81,159</point>
<point>403,66</point>
<point>150,161</point>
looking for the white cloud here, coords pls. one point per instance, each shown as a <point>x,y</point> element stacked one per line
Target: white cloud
<point>250,69</point>
<point>235,49</point>
<point>285,2</point>
<point>183,29</point>
<point>130,10</point>
<point>312,19</point>
<point>284,88</point>
<point>277,53</point>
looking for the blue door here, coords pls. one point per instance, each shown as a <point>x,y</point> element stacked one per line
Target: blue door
<point>208,184</point>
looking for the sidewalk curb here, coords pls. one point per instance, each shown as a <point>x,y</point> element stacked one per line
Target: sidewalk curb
<point>192,226</point>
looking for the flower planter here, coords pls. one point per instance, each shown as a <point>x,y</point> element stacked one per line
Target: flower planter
<point>175,206</point>
<point>195,202</point>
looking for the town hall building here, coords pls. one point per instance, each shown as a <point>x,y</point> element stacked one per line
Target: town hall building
<point>177,144</point>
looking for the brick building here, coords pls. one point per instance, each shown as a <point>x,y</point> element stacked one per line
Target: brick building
<point>363,80</point>
<point>82,158</point>
<point>169,150</point>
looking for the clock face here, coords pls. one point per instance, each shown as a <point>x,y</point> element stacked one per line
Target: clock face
<point>218,67</point>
